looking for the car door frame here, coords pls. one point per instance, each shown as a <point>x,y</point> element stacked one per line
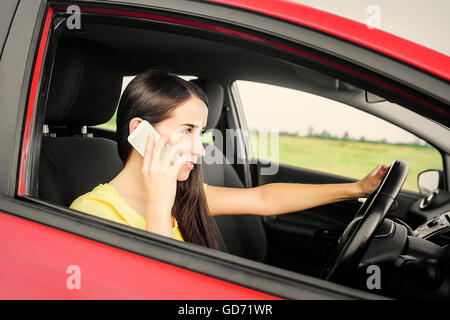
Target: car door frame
<point>23,218</point>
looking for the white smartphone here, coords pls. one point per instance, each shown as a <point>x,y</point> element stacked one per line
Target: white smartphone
<point>138,139</point>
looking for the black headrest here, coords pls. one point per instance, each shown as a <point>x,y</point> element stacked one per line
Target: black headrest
<point>214,92</point>
<point>85,85</point>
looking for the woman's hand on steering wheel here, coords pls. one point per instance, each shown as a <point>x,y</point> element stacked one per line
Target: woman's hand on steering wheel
<point>370,182</point>
<point>357,236</point>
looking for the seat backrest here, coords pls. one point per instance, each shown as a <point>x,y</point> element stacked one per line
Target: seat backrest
<point>72,166</point>
<point>243,235</point>
<point>84,90</point>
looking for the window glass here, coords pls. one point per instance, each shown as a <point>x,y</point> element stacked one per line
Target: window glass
<point>328,136</point>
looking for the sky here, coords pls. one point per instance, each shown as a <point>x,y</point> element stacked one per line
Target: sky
<point>426,22</point>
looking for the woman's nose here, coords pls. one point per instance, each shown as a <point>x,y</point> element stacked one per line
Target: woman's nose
<point>198,149</point>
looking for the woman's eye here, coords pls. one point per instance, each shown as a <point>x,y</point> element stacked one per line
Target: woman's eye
<point>190,131</point>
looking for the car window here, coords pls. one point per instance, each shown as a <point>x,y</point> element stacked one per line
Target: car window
<point>329,136</point>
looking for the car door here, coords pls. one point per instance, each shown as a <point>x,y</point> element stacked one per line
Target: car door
<point>52,252</point>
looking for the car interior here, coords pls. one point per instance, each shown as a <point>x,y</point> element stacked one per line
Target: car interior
<point>84,87</point>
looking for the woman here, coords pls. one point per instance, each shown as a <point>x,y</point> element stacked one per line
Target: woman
<point>170,198</point>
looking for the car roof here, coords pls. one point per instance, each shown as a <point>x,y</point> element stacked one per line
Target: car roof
<point>407,51</point>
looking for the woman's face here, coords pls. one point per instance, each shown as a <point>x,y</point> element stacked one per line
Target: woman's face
<point>185,127</point>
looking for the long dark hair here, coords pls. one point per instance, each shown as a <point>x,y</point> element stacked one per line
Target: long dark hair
<point>153,95</point>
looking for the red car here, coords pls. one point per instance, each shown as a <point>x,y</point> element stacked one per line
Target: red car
<point>62,68</point>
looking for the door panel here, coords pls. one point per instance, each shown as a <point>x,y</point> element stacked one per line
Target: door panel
<point>59,265</point>
<point>40,241</point>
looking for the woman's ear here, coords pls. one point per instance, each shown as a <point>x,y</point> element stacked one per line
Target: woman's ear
<point>133,124</point>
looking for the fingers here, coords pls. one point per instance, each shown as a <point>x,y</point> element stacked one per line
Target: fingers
<point>382,169</point>
<point>166,153</point>
<point>148,152</point>
<point>170,153</point>
<point>177,164</point>
<point>156,154</point>
<point>160,154</point>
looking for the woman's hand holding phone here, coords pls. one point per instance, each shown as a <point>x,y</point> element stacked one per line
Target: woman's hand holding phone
<point>160,182</point>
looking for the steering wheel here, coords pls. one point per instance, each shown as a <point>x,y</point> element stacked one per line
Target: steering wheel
<point>356,238</point>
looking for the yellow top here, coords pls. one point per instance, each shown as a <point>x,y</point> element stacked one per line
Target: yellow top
<point>105,202</point>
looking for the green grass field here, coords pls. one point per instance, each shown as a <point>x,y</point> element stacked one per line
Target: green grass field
<point>352,159</point>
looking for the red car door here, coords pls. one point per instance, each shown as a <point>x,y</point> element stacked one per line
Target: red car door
<point>47,252</point>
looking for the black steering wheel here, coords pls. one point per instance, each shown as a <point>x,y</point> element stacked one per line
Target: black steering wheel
<point>356,238</point>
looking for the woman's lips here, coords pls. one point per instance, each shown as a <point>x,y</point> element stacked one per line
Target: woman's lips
<point>189,164</point>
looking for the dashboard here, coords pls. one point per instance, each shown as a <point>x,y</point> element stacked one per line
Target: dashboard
<point>433,214</point>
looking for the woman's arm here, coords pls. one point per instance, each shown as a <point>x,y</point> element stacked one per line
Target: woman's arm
<point>290,197</point>
<point>279,198</point>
